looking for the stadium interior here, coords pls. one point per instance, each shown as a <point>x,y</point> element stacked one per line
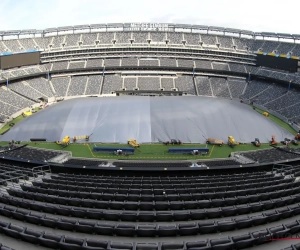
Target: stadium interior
<point>50,199</point>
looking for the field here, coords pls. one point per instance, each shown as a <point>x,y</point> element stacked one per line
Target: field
<point>278,121</point>
<point>15,121</point>
<point>6,126</point>
<point>150,151</point>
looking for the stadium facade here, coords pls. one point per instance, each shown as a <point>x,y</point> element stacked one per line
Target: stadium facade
<point>49,199</point>
<point>161,59</point>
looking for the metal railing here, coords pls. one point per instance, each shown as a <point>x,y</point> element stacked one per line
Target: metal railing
<point>279,168</point>
<point>14,180</point>
<point>22,177</point>
<point>41,170</point>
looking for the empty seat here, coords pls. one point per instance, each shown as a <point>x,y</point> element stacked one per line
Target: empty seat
<point>230,201</point>
<point>217,202</point>
<point>50,240</point>
<point>161,205</point>
<point>181,215</point>
<point>284,212</point>
<point>243,209</point>
<point>131,205</point>
<point>148,206</point>
<point>8,211</point>
<point>50,221</point>
<point>229,211</point>
<point>198,214</point>
<point>188,229</point>
<point>294,227</point>
<point>101,204</point>
<point>261,237</point>
<point>128,216</point>
<point>85,226</point>
<point>190,204</point>
<point>67,224</point>
<point>34,218</point>
<point>295,209</point>
<point>111,215</point>
<point>121,246</point>
<point>226,225</point>
<point>258,220</point>
<point>197,245</point>
<point>267,204</point>
<point>172,246</point>
<point>164,231</point>
<point>31,236</point>
<point>176,205</point>
<point>63,210</point>
<point>146,246</point>
<point>125,230</point>
<point>243,241</point>
<point>224,244</point>
<point>164,216</point>
<point>208,195</point>
<point>146,216</point>
<point>117,205</point>
<point>91,244</point>
<point>20,214</point>
<point>104,229</point>
<point>213,213</point>
<point>279,232</point>
<point>93,214</point>
<point>69,243</point>
<point>272,216</point>
<point>207,227</point>
<point>13,231</point>
<point>204,203</point>
<point>147,230</point>
<point>243,222</point>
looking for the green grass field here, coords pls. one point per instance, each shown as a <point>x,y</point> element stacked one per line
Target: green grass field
<point>150,151</point>
<point>146,151</point>
<point>15,121</point>
<point>6,126</point>
<point>279,122</point>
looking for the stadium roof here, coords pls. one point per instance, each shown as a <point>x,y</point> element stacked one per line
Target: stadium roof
<point>126,26</point>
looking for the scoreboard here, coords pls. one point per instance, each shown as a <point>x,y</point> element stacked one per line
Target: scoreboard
<point>278,61</point>
<point>11,60</point>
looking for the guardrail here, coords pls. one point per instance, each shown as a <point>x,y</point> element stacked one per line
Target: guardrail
<point>279,167</point>
<point>41,170</point>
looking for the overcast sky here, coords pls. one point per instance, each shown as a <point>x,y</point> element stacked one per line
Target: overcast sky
<point>255,15</point>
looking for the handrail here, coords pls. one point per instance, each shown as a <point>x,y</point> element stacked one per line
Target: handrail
<point>11,178</point>
<point>281,167</point>
<point>41,170</point>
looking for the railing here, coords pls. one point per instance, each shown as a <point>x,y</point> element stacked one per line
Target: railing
<point>280,167</point>
<point>14,179</point>
<point>41,170</point>
<point>22,177</point>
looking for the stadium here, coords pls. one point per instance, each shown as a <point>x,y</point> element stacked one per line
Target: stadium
<point>149,136</point>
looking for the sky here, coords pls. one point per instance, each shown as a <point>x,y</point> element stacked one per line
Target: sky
<point>255,15</point>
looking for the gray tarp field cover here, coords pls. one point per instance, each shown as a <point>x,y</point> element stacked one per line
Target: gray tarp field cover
<point>147,119</point>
